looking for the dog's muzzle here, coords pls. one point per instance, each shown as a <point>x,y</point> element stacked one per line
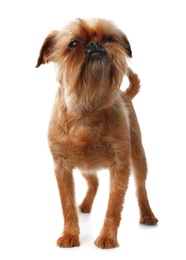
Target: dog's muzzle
<point>96,50</point>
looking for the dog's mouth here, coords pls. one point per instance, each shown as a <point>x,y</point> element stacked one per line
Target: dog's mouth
<point>97,54</point>
<point>95,51</point>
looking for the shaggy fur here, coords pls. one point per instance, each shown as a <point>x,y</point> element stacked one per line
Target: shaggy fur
<point>93,124</point>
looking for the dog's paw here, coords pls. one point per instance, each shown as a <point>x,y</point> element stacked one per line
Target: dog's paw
<point>106,242</point>
<point>148,220</point>
<point>68,241</point>
<point>85,208</point>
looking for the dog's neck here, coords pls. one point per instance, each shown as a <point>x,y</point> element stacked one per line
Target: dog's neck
<point>91,96</point>
<point>90,99</point>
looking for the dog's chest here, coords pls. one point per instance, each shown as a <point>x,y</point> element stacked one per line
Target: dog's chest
<point>92,156</point>
<point>86,144</point>
<point>89,142</point>
<point>82,147</point>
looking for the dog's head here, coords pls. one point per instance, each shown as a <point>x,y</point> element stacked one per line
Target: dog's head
<point>88,53</point>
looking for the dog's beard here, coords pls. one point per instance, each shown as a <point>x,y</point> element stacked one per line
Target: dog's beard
<point>91,84</point>
<point>96,71</point>
<point>94,79</point>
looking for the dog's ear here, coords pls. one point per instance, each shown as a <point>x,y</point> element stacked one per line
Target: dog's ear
<point>46,49</point>
<point>126,45</point>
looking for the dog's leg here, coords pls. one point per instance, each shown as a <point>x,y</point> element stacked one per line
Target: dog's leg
<point>70,236</point>
<point>140,173</point>
<point>92,182</point>
<point>118,186</point>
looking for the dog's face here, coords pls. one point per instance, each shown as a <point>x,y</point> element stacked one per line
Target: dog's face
<point>88,53</point>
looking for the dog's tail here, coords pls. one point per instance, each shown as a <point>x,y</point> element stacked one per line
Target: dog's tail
<point>134,85</point>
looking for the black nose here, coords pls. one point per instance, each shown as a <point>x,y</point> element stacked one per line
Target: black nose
<point>94,46</point>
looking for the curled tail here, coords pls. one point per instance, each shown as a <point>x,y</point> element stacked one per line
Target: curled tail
<point>134,85</point>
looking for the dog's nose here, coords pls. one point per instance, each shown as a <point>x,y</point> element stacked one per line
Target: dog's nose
<point>93,46</point>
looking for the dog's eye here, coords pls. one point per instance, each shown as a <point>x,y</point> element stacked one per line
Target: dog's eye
<point>72,44</point>
<point>109,39</point>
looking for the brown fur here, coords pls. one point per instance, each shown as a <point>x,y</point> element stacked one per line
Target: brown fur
<point>93,124</point>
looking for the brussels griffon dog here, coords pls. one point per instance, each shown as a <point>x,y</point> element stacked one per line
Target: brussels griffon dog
<point>93,124</point>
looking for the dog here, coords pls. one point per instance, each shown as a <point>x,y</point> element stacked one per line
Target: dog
<point>93,123</point>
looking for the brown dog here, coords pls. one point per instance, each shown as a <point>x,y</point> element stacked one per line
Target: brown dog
<point>93,124</point>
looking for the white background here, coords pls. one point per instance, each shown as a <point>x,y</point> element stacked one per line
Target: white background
<point>30,211</point>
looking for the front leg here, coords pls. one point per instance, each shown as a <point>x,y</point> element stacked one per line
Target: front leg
<point>118,186</point>
<point>64,177</point>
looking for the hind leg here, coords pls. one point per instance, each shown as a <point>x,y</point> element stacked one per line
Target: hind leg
<point>140,173</point>
<point>92,183</point>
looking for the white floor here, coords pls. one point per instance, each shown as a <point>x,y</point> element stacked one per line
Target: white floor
<point>30,212</point>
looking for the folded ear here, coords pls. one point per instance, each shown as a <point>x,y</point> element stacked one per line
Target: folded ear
<point>126,45</point>
<point>46,49</point>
